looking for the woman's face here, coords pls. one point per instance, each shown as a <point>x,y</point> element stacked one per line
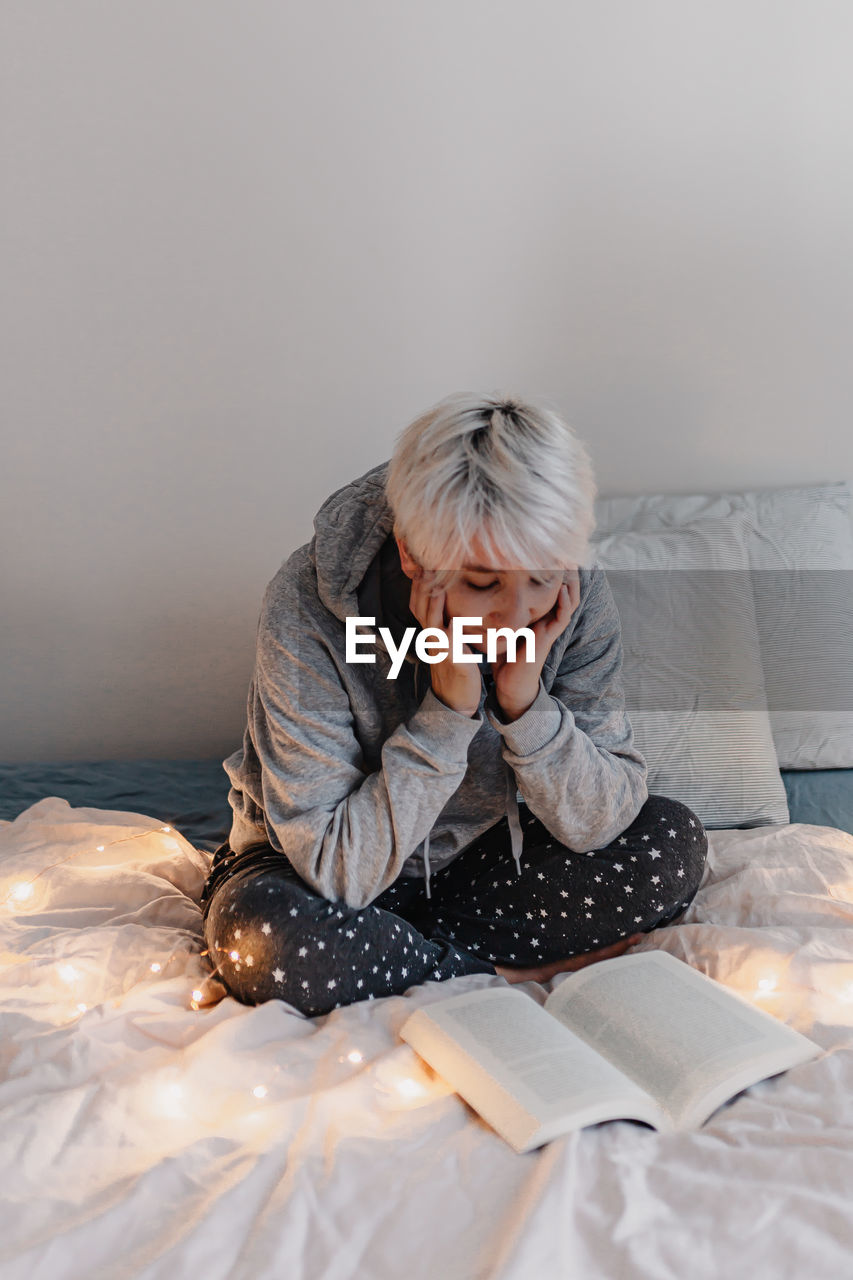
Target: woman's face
<point>503,594</point>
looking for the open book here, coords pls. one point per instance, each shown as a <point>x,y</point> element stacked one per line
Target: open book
<point>640,1037</point>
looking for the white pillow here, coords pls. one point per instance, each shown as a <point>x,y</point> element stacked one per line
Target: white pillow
<point>800,547</point>
<point>692,675</point>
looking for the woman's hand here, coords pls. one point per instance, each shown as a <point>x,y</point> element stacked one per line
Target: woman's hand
<point>458,685</point>
<point>517,683</point>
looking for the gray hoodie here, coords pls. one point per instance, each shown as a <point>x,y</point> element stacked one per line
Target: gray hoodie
<point>359,779</point>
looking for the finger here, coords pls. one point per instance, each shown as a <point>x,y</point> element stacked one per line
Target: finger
<point>574,587</point>
<point>435,610</point>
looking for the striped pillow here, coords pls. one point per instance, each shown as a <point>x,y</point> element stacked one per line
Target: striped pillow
<point>692,674</point>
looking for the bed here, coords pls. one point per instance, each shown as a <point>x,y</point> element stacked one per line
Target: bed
<point>152,1126</point>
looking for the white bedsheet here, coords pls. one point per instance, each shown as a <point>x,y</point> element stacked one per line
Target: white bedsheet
<point>133,1145</point>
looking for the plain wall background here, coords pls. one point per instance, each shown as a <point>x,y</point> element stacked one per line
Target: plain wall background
<point>244,243</point>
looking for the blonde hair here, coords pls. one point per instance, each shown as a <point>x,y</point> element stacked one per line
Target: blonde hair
<point>496,467</point>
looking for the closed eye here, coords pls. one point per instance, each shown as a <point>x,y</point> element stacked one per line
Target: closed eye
<point>491,585</point>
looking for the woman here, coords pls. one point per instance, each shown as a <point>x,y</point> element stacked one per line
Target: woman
<point>463,816</point>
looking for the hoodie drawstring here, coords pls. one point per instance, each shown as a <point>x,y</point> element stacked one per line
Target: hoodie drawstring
<point>426,841</point>
<point>515,833</point>
<point>426,866</point>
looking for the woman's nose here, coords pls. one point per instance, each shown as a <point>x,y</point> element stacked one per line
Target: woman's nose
<point>514,610</point>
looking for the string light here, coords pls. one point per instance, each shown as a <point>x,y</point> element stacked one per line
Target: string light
<point>23,892</point>
<point>24,889</point>
<point>410,1088</point>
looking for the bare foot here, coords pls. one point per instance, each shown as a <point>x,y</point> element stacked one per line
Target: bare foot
<point>545,972</point>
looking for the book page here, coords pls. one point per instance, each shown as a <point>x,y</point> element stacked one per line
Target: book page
<point>685,1039</point>
<point>527,1075</point>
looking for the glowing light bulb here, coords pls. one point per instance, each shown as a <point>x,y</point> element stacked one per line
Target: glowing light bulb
<point>22,891</point>
<point>82,1007</point>
<point>166,828</point>
<point>409,1087</point>
<point>260,1091</point>
<point>101,848</point>
<point>197,995</point>
<point>767,984</point>
<point>355,1056</point>
<point>235,955</point>
<point>68,973</point>
<point>156,967</point>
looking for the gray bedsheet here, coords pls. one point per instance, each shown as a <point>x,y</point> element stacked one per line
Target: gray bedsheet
<point>190,795</point>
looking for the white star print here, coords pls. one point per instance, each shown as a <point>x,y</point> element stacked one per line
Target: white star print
<point>623,840</point>
<point>266,929</point>
<point>303,951</point>
<point>647,837</point>
<point>321,946</point>
<point>617,866</point>
<point>588,901</point>
<point>637,919</point>
<point>238,933</point>
<point>278,974</point>
<point>692,823</point>
<point>680,871</point>
<point>628,888</point>
<point>655,879</point>
<point>654,853</point>
<point>333,982</point>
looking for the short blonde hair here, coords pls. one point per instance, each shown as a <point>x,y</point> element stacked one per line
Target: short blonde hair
<point>497,467</point>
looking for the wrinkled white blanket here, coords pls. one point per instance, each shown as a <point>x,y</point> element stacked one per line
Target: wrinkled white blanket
<point>144,1137</point>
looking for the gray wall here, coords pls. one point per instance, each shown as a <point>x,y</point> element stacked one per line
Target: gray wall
<point>243,244</point>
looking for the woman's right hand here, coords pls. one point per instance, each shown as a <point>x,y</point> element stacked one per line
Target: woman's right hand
<point>459,685</point>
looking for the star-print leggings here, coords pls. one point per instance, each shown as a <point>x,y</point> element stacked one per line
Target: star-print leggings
<point>270,936</point>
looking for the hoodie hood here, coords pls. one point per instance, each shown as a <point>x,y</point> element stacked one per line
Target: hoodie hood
<point>359,574</point>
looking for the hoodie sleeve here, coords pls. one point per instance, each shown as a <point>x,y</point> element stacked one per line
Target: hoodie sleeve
<point>346,831</point>
<point>573,751</point>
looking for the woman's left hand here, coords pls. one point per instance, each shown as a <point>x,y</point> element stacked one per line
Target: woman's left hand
<point>517,683</point>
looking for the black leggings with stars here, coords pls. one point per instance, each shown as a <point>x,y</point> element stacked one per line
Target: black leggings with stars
<point>270,936</point>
